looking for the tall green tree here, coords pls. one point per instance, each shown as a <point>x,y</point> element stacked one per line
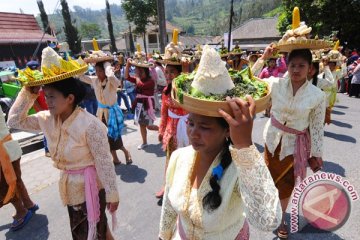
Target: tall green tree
<point>326,17</point>
<point>90,30</point>
<point>110,28</point>
<point>44,17</point>
<point>141,13</point>
<point>71,33</point>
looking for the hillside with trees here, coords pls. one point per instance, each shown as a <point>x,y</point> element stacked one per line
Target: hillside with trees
<point>201,17</point>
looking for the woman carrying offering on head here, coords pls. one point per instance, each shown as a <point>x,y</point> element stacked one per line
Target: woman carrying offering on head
<point>172,130</point>
<point>105,85</point>
<point>212,184</point>
<point>145,87</point>
<point>77,142</point>
<point>294,133</point>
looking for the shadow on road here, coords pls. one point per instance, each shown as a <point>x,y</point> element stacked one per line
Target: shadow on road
<point>341,124</point>
<point>340,137</point>
<point>333,168</point>
<point>155,148</point>
<point>131,173</point>
<point>341,106</point>
<point>128,129</point>
<point>38,221</point>
<point>337,112</point>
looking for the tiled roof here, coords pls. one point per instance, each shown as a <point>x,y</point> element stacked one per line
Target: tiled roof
<point>257,28</point>
<point>20,28</point>
<point>192,41</point>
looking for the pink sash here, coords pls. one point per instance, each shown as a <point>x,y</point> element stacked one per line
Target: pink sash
<point>91,198</point>
<point>151,107</point>
<point>301,150</point>
<point>244,233</point>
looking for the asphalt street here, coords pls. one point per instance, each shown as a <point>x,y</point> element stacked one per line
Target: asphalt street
<point>139,214</point>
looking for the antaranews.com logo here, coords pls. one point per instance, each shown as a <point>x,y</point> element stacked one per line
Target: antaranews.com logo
<point>324,200</point>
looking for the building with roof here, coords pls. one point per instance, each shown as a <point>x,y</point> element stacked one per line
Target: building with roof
<point>256,33</point>
<point>19,37</point>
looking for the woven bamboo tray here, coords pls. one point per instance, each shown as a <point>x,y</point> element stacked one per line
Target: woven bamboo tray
<point>210,108</point>
<point>99,59</point>
<point>56,78</point>
<point>303,44</point>
<point>141,64</point>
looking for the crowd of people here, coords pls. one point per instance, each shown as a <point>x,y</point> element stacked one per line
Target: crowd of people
<point>215,180</point>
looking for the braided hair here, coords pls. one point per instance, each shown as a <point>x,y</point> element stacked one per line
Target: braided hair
<point>213,199</point>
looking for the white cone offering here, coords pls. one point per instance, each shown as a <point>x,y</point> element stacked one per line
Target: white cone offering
<point>212,77</point>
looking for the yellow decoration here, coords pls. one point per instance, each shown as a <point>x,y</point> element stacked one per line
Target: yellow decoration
<point>95,45</point>
<point>337,45</point>
<point>138,47</point>
<point>55,69</point>
<point>296,18</point>
<point>175,36</point>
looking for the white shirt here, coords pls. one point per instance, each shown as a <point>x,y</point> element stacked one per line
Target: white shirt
<point>304,110</point>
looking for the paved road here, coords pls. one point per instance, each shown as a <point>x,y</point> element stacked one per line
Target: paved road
<point>139,214</point>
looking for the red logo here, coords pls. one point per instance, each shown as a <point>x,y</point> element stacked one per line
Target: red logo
<point>326,206</point>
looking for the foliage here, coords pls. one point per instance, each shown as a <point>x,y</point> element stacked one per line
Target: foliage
<point>110,28</point>
<point>44,17</point>
<point>141,13</point>
<point>71,32</point>
<point>327,16</point>
<point>90,30</point>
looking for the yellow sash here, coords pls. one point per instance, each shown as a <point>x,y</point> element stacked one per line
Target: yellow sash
<point>7,169</point>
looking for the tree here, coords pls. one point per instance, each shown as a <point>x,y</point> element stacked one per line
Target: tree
<point>110,28</point>
<point>325,17</point>
<point>141,13</point>
<point>90,30</point>
<point>71,32</point>
<point>44,17</point>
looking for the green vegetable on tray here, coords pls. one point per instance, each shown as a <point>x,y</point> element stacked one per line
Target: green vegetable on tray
<point>245,84</point>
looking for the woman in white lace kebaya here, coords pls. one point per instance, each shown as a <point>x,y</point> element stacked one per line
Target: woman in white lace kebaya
<point>294,133</point>
<point>212,187</point>
<point>79,147</point>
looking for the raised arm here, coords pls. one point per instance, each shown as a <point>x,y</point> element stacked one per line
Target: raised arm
<point>257,189</point>
<point>87,79</point>
<point>18,114</point>
<point>109,72</point>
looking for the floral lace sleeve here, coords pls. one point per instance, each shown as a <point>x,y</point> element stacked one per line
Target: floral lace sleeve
<point>257,189</point>
<point>317,116</point>
<point>18,114</point>
<point>86,79</point>
<point>257,67</point>
<point>109,72</point>
<point>168,214</point>
<point>96,136</point>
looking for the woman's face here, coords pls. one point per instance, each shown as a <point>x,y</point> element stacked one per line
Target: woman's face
<point>140,73</point>
<point>272,63</point>
<point>100,73</point>
<point>332,66</point>
<point>206,134</point>
<point>170,73</point>
<point>298,69</point>
<point>57,103</point>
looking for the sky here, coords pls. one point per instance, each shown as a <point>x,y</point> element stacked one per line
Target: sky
<point>31,7</point>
